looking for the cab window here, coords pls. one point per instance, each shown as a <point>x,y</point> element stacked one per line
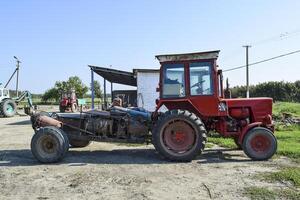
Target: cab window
<point>173,81</point>
<point>5,92</point>
<point>200,78</point>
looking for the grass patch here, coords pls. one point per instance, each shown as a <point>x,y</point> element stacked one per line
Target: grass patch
<point>288,143</point>
<point>209,145</point>
<point>257,193</point>
<point>286,107</point>
<point>288,194</point>
<point>221,141</point>
<point>291,174</point>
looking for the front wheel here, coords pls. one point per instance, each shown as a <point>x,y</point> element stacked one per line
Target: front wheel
<point>49,144</point>
<point>179,135</point>
<point>8,108</point>
<point>260,144</point>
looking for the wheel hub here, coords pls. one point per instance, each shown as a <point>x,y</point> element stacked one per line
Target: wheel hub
<point>260,143</point>
<point>9,108</point>
<point>179,136</point>
<point>48,145</point>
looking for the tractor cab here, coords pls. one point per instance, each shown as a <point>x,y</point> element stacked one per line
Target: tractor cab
<point>192,79</point>
<point>4,94</point>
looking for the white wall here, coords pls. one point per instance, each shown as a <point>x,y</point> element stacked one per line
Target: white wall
<point>147,83</point>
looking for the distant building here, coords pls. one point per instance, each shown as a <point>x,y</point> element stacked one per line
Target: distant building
<point>147,82</point>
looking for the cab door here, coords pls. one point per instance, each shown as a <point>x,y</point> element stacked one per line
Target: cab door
<point>201,87</point>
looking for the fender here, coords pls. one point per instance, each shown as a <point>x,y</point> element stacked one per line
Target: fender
<point>247,128</point>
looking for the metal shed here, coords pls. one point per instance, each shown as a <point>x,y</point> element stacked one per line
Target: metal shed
<point>113,76</point>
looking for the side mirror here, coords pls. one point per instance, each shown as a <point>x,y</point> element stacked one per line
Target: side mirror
<point>157,89</point>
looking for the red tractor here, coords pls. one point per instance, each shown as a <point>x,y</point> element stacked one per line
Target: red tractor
<point>68,101</point>
<point>191,89</point>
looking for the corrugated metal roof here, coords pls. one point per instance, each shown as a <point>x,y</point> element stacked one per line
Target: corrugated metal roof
<point>115,76</point>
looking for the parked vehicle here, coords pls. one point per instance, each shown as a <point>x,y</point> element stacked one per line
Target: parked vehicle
<point>68,101</point>
<point>191,88</point>
<point>8,105</point>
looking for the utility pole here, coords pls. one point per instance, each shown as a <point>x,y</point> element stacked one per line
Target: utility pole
<point>17,69</point>
<point>247,70</point>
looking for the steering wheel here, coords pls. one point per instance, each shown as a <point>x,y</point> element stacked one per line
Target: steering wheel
<point>198,84</point>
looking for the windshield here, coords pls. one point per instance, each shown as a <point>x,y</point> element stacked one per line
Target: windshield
<point>5,92</point>
<point>200,78</point>
<point>173,81</point>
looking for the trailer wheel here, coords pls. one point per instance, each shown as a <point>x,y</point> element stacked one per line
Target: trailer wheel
<point>49,144</point>
<point>179,135</point>
<point>67,141</point>
<point>260,144</point>
<point>76,143</point>
<point>8,108</point>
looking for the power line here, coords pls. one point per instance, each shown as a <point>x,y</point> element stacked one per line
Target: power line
<point>281,36</point>
<point>265,60</point>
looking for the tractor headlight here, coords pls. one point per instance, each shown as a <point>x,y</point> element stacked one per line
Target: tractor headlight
<point>222,107</point>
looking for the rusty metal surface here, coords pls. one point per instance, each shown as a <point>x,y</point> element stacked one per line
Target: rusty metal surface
<point>188,56</point>
<point>43,121</point>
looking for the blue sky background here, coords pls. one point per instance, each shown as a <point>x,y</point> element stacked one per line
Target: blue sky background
<point>57,39</point>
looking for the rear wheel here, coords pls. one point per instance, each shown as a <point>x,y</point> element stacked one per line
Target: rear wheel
<point>8,108</point>
<point>260,144</point>
<point>76,143</point>
<point>74,107</point>
<point>179,135</point>
<point>49,144</point>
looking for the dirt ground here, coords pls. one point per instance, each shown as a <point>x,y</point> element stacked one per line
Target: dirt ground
<point>111,171</point>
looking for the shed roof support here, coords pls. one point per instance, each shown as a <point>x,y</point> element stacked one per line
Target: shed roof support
<point>93,89</point>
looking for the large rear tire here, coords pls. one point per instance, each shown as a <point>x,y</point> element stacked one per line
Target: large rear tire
<point>260,144</point>
<point>49,144</point>
<point>179,135</point>
<point>8,108</point>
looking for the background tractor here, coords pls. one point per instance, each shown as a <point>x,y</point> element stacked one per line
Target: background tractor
<point>68,101</point>
<point>191,89</point>
<point>8,105</point>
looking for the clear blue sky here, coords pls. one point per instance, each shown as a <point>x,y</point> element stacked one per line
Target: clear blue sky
<point>57,39</point>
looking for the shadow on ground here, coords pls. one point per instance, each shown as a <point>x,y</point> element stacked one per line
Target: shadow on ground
<point>24,122</point>
<point>24,157</point>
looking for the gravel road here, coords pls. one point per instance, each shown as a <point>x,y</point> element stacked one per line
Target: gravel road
<point>111,171</point>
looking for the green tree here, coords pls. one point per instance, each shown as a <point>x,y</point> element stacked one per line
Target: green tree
<point>97,89</point>
<point>74,82</point>
<point>51,94</point>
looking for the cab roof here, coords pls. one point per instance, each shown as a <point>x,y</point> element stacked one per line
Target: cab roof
<point>188,56</point>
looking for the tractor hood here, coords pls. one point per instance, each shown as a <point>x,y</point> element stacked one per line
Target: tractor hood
<point>260,107</point>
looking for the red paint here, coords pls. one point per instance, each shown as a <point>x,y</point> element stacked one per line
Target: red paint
<point>260,143</point>
<point>248,113</point>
